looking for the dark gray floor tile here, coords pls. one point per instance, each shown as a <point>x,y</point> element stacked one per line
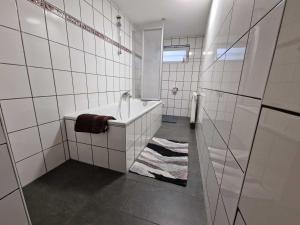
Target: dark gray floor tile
<point>93,214</point>
<point>79,194</point>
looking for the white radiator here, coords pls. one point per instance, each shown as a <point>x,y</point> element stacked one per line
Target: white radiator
<point>193,109</point>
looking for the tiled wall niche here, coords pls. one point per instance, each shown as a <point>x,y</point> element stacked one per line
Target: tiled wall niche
<point>237,55</point>
<point>12,205</point>
<point>184,76</point>
<point>51,66</point>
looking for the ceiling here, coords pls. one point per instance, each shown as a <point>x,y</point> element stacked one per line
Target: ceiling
<point>182,17</point>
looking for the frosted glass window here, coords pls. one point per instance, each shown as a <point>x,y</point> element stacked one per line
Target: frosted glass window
<point>175,54</point>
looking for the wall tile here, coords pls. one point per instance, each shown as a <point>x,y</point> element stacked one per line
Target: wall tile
<point>75,36</point>
<point>231,185</point>
<point>18,114</point>
<point>7,175</point>
<point>50,134</point>
<point>14,82</point>
<point>259,54</point>
<point>283,85</point>
<point>73,8</point>
<point>63,82</point>
<point>32,18</point>
<point>46,109</point>
<point>239,220</point>
<point>57,3</point>
<point>107,9</point>
<point>54,156</point>
<point>261,8</point>
<point>11,50</point>
<point>77,60</point>
<point>221,216</point>
<point>212,190</point>
<point>86,13</point>
<point>233,66</point>
<point>60,56</point>
<point>36,51</point>
<point>272,182</point>
<point>25,143</point>
<point>80,85</point>
<point>93,100</point>
<point>13,203</point>
<point>31,169</point>
<point>100,49</point>
<point>2,135</point>
<point>243,127</point>
<point>8,14</point>
<point>102,83</point>
<point>81,102</point>
<point>240,20</point>
<point>225,114</point>
<point>91,64</point>
<point>66,105</point>
<point>89,42</point>
<point>41,81</point>
<point>56,27</point>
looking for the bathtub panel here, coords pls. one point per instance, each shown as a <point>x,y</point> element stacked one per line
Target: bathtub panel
<point>117,138</point>
<point>99,139</point>
<point>117,161</point>
<point>138,128</point>
<point>70,130</point>
<point>100,156</point>
<point>130,136</point>
<point>73,150</point>
<point>137,147</point>
<point>130,157</point>
<point>85,153</point>
<point>144,123</point>
<point>121,145</point>
<point>83,137</point>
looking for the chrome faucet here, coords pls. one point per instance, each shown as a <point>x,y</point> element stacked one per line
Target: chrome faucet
<point>125,96</point>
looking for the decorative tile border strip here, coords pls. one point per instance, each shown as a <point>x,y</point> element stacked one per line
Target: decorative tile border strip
<point>62,14</point>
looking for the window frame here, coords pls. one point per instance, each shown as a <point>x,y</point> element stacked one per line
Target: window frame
<point>186,48</point>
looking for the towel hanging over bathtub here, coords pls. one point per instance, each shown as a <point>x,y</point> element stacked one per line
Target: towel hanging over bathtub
<point>91,123</point>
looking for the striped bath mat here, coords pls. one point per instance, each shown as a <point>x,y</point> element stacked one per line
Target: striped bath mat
<point>164,160</point>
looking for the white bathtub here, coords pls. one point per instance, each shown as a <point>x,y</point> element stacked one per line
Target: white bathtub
<point>120,146</point>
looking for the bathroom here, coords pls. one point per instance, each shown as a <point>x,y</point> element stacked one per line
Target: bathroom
<point>196,104</point>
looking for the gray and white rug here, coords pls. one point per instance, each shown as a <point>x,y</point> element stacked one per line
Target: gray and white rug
<point>165,160</point>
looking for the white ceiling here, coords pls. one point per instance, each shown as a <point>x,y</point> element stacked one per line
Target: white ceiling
<point>183,17</point>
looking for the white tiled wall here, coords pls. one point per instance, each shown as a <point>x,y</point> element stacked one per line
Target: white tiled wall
<point>270,191</point>
<point>236,59</point>
<point>184,76</point>
<point>12,205</point>
<point>49,67</point>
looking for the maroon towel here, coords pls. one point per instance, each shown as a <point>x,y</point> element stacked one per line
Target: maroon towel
<point>91,123</point>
